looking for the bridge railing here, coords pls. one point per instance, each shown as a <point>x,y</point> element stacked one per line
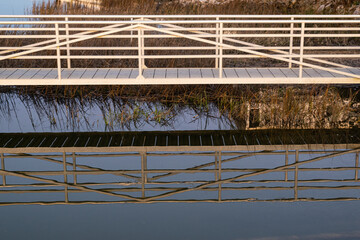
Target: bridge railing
<point>329,43</point>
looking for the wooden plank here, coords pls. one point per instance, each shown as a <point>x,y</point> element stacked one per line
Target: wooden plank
<point>305,75</point>
<point>18,73</point>
<point>195,73</point>
<point>29,74</point>
<point>207,73</point>
<point>324,73</point>
<point>66,73</point>
<point>41,74</point>
<point>289,73</point>
<point>2,70</point>
<point>134,73</point>
<point>101,73</point>
<point>125,73</point>
<point>230,73</point>
<point>265,73</point>
<point>345,70</point>
<point>77,73</point>
<point>7,72</point>
<point>253,72</point>
<point>113,73</point>
<point>312,73</point>
<point>52,74</point>
<point>160,73</point>
<point>215,72</point>
<point>337,75</point>
<point>171,73</point>
<point>242,73</point>
<point>277,73</point>
<point>89,73</point>
<point>149,73</point>
<point>183,73</point>
<point>355,71</point>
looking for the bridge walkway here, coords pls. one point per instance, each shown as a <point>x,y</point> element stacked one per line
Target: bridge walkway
<point>171,76</point>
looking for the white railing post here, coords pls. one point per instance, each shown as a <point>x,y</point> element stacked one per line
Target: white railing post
<point>217,46</point>
<point>58,50</point>
<point>302,40</point>
<point>296,176</point>
<point>67,32</point>
<point>131,32</point>
<point>357,166</point>
<point>65,177</point>
<point>291,40</point>
<point>74,168</point>
<point>221,52</point>
<point>140,52</point>
<point>286,163</point>
<point>219,176</point>
<point>143,45</point>
<point>3,168</point>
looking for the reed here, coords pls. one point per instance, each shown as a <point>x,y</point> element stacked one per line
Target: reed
<point>241,107</point>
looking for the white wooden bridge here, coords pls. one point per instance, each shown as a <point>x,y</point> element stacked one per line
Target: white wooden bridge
<point>311,49</point>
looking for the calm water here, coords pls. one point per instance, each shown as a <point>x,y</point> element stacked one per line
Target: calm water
<point>238,220</point>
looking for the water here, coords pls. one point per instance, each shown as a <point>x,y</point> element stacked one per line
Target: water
<point>238,220</point>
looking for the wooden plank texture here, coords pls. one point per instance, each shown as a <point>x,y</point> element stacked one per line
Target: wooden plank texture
<point>93,76</point>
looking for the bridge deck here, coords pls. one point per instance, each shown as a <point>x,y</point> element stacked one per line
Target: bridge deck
<point>220,140</point>
<point>128,76</point>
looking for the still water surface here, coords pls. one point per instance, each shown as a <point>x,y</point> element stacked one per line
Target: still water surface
<point>202,220</point>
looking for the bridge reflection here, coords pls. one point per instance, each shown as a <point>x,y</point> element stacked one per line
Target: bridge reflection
<point>201,166</point>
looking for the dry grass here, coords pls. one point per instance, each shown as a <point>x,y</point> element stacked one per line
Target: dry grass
<point>239,106</point>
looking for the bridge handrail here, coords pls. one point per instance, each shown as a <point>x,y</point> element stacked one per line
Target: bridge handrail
<point>219,34</point>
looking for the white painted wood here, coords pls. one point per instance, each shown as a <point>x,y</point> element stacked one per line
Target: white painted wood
<point>289,73</point>
<point>324,73</point>
<point>77,73</point>
<point>134,73</point>
<point>277,73</point>
<point>30,74</point>
<point>347,70</point>
<point>253,72</point>
<point>230,73</point>
<point>160,73</point>
<point>215,72</point>
<point>66,73</point>
<point>128,81</point>
<point>207,73</point>
<point>149,73</point>
<point>184,73</point>
<point>2,70</point>
<point>242,73</point>
<point>355,70</point>
<point>52,74</point>
<point>125,73</point>
<point>18,73</point>
<point>89,73</point>
<point>312,73</point>
<point>195,73</point>
<point>173,76</point>
<point>112,73</point>
<point>171,73</point>
<point>41,74</point>
<point>265,73</point>
<point>101,73</point>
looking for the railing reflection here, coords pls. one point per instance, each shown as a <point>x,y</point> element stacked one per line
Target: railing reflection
<point>330,173</point>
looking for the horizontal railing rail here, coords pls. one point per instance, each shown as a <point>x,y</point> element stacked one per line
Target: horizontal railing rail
<point>215,176</point>
<point>323,42</point>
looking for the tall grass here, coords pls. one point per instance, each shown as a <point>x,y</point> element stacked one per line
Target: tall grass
<point>241,107</point>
